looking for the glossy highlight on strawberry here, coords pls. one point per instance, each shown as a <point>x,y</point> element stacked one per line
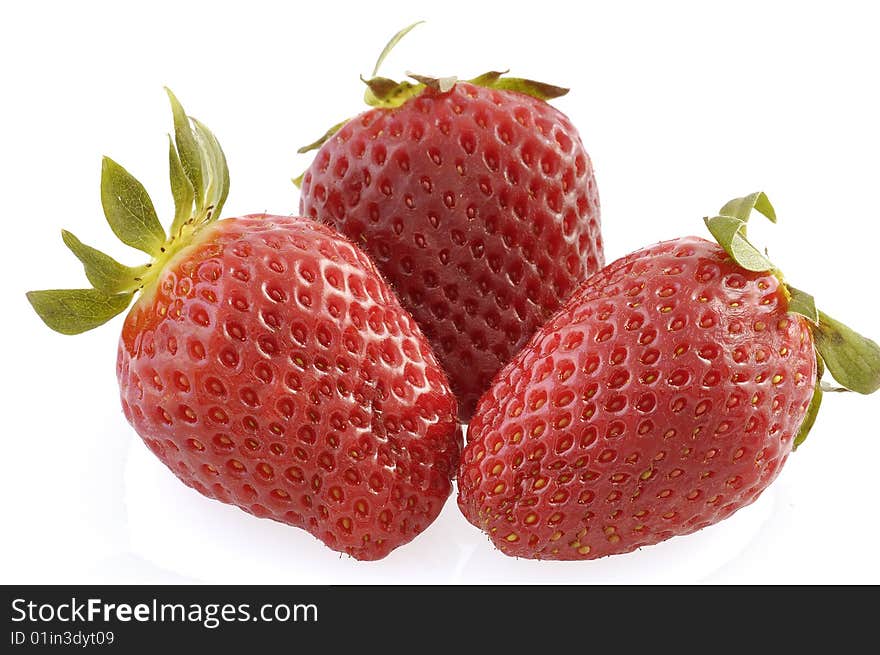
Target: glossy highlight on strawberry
<point>478,203</point>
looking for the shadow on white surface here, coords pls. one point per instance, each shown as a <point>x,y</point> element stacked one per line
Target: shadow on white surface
<point>181,533</point>
<point>131,569</point>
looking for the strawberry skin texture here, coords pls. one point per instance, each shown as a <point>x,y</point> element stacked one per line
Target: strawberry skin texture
<point>478,205</point>
<point>664,396</point>
<point>273,369</point>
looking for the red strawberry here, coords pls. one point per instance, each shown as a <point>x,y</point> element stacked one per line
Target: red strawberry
<point>266,362</point>
<point>475,199</point>
<point>665,395</point>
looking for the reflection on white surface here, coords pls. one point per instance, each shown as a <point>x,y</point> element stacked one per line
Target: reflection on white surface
<point>179,531</point>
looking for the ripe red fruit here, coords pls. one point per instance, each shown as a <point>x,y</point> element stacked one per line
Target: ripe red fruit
<point>665,395</point>
<point>268,365</point>
<point>476,200</point>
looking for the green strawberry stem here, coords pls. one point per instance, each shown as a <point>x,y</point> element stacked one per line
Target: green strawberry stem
<point>852,359</point>
<point>390,45</point>
<point>388,93</point>
<point>199,185</point>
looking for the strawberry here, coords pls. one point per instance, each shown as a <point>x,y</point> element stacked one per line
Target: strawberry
<point>266,362</point>
<point>665,395</point>
<point>476,200</point>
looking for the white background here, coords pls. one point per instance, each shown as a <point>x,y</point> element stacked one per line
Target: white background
<point>681,106</point>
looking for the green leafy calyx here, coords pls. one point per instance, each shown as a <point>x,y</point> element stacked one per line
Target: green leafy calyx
<point>72,311</point>
<point>813,407</point>
<point>851,359</point>
<point>199,186</point>
<point>388,93</point>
